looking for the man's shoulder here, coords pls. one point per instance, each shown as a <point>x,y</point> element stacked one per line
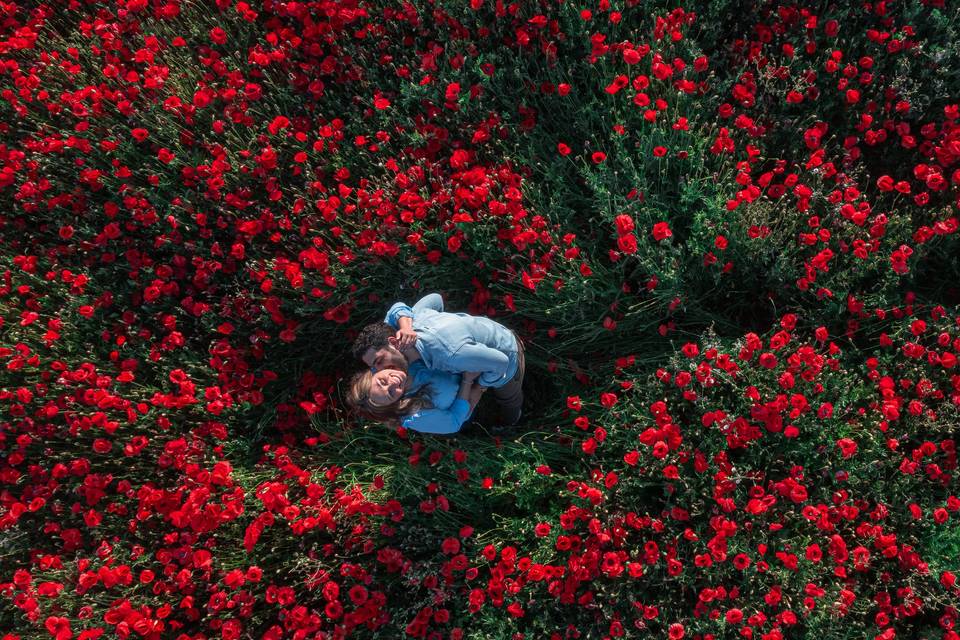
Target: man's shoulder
<point>426,313</point>
<point>430,318</point>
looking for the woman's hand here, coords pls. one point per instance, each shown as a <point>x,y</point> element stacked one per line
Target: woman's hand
<point>476,392</point>
<point>469,376</point>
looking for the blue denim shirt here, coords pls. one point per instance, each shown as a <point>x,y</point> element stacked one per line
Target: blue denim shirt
<point>448,413</point>
<point>459,342</point>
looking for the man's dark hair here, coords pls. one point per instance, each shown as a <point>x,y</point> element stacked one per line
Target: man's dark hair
<point>373,335</point>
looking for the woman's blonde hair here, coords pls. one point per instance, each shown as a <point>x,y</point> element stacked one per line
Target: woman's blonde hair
<point>358,398</point>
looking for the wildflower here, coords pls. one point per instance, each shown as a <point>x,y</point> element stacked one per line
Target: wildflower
<point>661,231</point>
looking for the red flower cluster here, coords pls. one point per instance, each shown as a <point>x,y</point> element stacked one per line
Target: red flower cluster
<point>197,221</point>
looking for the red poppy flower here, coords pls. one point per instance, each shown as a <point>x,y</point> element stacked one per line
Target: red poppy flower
<point>661,231</point>
<point>627,244</point>
<point>847,447</point>
<point>218,35</point>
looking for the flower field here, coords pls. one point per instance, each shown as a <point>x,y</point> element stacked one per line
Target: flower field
<point>727,232</point>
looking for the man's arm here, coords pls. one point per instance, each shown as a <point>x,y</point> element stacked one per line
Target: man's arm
<point>396,312</point>
<point>429,301</point>
<point>491,364</point>
<point>400,316</point>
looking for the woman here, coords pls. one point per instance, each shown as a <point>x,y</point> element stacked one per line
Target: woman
<point>425,400</point>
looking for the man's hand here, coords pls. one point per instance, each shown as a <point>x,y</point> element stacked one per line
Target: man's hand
<point>470,376</point>
<point>406,338</point>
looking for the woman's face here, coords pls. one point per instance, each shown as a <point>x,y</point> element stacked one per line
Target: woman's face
<point>387,386</point>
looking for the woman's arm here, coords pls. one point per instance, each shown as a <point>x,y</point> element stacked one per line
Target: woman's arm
<point>445,420</point>
<point>476,392</point>
<point>439,420</point>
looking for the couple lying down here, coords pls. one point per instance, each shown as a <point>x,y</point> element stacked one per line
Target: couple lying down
<point>429,368</point>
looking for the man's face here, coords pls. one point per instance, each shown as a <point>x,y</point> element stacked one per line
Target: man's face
<point>383,358</point>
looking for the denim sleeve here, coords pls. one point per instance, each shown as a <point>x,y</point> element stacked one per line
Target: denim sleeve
<point>398,310</point>
<point>429,301</point>
<point>419,373</point>
<point>491,364</point>
<point>402,310</point>
<point>439,420</point>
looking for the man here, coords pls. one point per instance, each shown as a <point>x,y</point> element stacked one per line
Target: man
<point>453,342</point>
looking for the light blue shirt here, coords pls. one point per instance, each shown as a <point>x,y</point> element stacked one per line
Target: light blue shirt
<point>459,342</point>
<point>448,413</point>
